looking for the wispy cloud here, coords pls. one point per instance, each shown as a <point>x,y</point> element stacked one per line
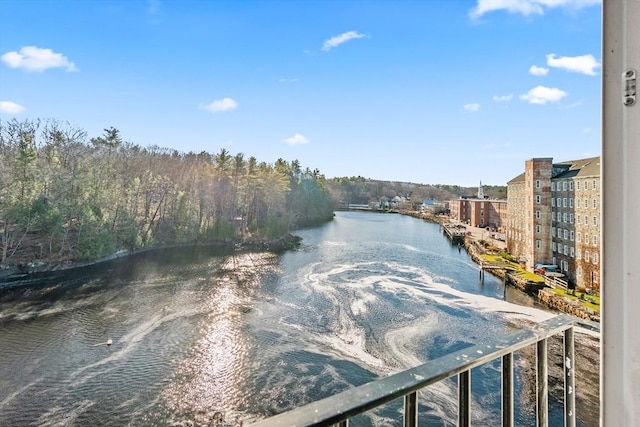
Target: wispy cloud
<point>472,108</point>
<point>528,7</point>
<point>221,105</point>
<point>542,95</point>
<point>8,107</point>
<point>503,98</point>
<point>33,58</point>
<point>342,38</point>
<point>153,6</point>
<point>297,139</point>
<point>288,80</point>
<point>585,64</point>
<point>538,71</point>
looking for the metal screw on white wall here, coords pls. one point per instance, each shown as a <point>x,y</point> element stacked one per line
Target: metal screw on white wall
<point>629,87</point>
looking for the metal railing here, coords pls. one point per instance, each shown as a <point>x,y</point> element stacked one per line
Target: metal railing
<point>337,409</point>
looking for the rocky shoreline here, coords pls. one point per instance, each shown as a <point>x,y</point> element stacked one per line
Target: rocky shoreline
<point>40,268</point>
<point>544,294</point>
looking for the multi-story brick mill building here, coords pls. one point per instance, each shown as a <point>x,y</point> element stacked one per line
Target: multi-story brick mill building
<point>554,218</point>
<point>480,211</point>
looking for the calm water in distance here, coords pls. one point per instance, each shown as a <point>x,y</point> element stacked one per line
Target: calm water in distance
<point>201,334</point>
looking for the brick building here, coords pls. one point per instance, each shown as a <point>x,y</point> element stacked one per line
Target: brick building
<point>554,218</point>
<point>480,212</point>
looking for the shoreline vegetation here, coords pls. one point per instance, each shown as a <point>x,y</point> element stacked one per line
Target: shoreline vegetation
<point>23,272</point>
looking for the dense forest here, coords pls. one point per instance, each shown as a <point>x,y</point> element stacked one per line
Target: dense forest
<point>67,197</point>
<point>359,190</point>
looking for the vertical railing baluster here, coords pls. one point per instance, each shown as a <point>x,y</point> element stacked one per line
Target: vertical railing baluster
<point>464,398</point>
<point>507,390</point>
<point>569,380</point>
<point>411,409</point>
<point>542,384</point>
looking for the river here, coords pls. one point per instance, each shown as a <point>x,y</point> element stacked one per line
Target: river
<point>199,335</point>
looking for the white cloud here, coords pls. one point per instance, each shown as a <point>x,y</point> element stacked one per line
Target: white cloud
<point>541,95</point>
<point>528,7</point>
<point>288,80</point>
<point>342,38</point>
<point>8,107</point>
<point>503,98</point>
<point>224,104</point>
<point>32,58</point>
<point>538,71</point>
<point>585,64</point>
<point>297,139</point>
<point>472,108</point>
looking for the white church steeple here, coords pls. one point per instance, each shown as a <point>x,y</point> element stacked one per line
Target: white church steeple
<point>480,192</point>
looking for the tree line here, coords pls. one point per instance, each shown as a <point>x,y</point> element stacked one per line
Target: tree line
<point>65,196</point>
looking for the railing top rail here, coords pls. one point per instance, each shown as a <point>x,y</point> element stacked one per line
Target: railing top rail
<point>342,406</point>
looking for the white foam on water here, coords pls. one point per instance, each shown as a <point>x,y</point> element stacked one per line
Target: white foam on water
<point>128,343</point>
<point>18,392</point>
<point>59,416</point>
<point>350,299</point>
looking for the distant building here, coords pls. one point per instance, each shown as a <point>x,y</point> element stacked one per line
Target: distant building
<point>554,218</point>
<point>480,211</point>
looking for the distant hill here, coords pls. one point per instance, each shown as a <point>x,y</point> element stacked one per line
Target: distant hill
<point>359,190</point>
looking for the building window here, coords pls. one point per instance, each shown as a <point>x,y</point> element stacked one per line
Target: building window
<point>579,271</point>
<point>586,219</point>
<point>553,231</point>
<point>565,234</point>
<point>594,184</point>
<point>559,202</point>
<point>553,260</point>
<point>586,185</point>
<point>579,237</point>
<point>595,240</point>
<point>553,216</point>
<point>553,202</point>
<point>570,218</point>
<point>553,186</point>
<point>571,236</point>
<point>578,254</point>
<point>564,202</point>
<point>564,185</point>
<point>537,228</point>
<point>586,238</point>
<point>577,185</point>
<point>595,258</point>
<point>537,244</point>
<point>578,219</point>
<point>586,256</point>
<point>571,252</point>
<point>553,247</point>
<point>570,202</point>
<point>570,185</point>
<point>538,214</point>
<point>538,199</point>
<point>537,183</point>
<point>566,250</point>
<point>595,220</point>
<point>564,217</point>
<point>595,204</point>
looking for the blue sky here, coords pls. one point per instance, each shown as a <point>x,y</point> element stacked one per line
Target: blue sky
<point>425,91</point>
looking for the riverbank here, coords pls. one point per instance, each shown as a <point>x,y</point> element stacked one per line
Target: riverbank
<point>41,268</point>
<point>512,273</point>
